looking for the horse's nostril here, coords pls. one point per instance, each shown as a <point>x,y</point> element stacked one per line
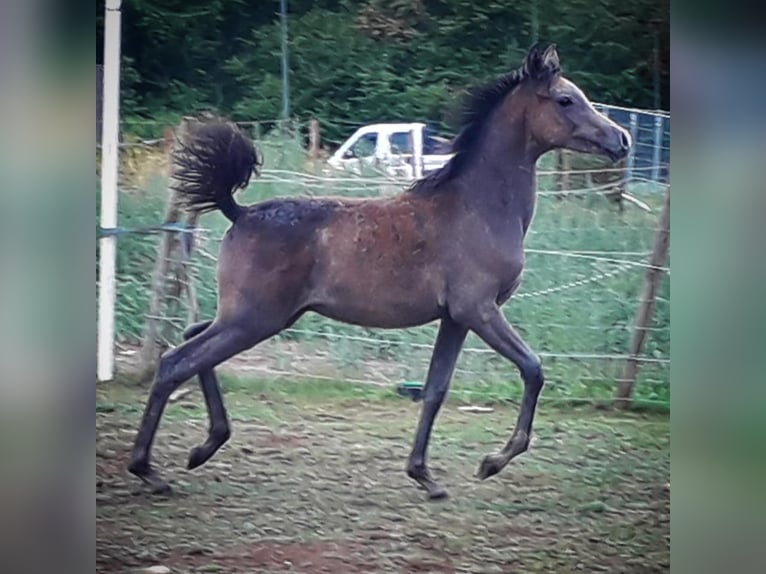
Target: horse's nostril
<point>624,141</point>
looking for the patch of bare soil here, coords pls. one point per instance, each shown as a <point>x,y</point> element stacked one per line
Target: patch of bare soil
<point>279,557</point>
<point>320,487</point>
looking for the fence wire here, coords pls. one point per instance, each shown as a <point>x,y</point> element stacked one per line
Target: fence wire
<point>586,260</point>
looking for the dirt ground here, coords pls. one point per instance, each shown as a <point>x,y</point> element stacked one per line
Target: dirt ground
<point>311,483</point>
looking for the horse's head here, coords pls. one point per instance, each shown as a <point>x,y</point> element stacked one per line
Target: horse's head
<point>559,115</point>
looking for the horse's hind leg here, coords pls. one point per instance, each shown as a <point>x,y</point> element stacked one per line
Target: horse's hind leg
<point>219,431</point>
<point>219,342</point>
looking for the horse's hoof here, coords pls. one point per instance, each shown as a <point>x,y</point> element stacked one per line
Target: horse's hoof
<point>490,466</point>
<point>421,475</point>
<point>437,492</point>
<point>161,488</point>
<point>150,477</point>
<point>197,457</point>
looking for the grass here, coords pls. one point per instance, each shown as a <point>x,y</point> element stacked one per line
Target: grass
<point>566,305</point>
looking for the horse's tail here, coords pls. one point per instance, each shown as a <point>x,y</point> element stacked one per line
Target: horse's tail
<point>212,160</point>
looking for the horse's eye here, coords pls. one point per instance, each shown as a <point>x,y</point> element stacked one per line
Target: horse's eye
<point>565,101</point>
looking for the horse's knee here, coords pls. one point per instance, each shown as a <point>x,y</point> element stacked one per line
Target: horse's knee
<point>435,396</point>
<point>532,372</point>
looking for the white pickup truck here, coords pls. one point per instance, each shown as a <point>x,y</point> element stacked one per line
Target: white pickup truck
<point>401,150</point>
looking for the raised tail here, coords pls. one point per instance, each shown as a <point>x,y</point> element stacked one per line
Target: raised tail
<point>212,160</point>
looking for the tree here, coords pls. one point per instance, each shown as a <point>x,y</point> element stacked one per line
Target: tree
<point>372,60</point>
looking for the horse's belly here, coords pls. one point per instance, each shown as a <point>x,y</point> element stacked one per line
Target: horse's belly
<point>376,318</point>
<point>378,310</point>
<point>375,299</point>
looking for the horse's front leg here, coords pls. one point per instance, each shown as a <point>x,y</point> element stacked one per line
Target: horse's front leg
<point>449,341</point>
<point>493,329</point>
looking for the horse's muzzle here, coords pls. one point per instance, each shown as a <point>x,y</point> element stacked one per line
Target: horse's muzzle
<point>620,147</point>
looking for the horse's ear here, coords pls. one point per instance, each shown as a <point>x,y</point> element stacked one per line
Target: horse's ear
<point>550,59</point>
<point>533,63</point>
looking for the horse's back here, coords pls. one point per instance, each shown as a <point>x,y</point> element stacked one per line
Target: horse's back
<point>343,257</point>
<point>296,214</point>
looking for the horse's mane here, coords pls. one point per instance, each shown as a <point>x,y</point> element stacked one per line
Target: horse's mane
<point>477,110</point>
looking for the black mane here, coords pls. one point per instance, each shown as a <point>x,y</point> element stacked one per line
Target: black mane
<point>477,110</point>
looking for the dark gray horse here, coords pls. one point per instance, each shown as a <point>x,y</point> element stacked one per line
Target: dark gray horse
<point>450,248</point>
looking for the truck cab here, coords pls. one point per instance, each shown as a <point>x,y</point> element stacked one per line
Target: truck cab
<point>399,150</point>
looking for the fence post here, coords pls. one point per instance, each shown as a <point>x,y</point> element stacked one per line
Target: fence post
<point>563,166</point>
<point>110,160</point>
<point>657,148</point>
<point>632,152</point>
<point>624,394</point>
<point>314,139</point>
<point>182,283</point>
<point>151,349</point>
<point>416,145</point>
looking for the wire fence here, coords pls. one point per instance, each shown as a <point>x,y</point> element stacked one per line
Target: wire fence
<point>650,157</point>
<point>648,160</point>
<point>586,260</point>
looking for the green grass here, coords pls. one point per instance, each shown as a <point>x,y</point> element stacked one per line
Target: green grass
<point>259,398</point>
<point>594,317</point>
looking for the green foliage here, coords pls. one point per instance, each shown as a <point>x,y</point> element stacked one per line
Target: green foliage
<point>372,60</point>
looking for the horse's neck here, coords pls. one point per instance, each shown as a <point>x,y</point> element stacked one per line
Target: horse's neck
<point>500,182</point>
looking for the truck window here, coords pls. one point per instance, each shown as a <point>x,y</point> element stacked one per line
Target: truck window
<point>365,146</point>
<point>401,143</point>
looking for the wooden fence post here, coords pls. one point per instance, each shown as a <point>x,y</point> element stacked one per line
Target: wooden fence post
<point>314,141</point>
<point>181,288</point>
<point>161,288</point>
<point>624,394</point>
<point>152,348</point>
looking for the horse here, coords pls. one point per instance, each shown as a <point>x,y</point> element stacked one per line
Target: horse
<point>448,248</point>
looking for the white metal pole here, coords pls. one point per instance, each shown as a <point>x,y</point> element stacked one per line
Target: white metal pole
<point>109,166</point>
